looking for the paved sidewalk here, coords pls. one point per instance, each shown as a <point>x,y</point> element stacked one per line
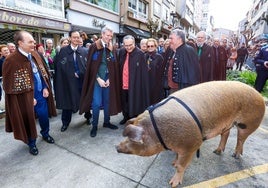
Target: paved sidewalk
<point>77,160</point>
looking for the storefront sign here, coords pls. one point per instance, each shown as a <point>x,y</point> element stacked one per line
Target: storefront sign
<point>21,19</point>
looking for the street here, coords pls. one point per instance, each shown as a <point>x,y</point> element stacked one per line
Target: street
<point>77,160</point>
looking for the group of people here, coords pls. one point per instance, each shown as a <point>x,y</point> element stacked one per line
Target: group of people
<point>100,76</point>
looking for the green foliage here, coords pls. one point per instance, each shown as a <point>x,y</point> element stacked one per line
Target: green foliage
<point>247,77</point>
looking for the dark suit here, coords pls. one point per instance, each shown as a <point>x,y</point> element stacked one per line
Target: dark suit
<point>185,66</point>
<point>206,59</point>
<point>136,99</point>
<point>220,62</point>
<point>155,68</point>
<point>2,59</point>
<point>261,70</point>
<point>67,86</point>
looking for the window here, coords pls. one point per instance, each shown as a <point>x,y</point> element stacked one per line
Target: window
<point>139,7</point>
<point>48,8</point>
<point>132,4</point>
<point>36,1</point>
<point>107,4</point>
<point>142,7</point>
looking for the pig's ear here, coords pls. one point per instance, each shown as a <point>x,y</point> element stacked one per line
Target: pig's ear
<point>134,133</point>
<point>130,121</point>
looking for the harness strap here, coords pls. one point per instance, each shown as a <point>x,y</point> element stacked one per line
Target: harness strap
<point>190,111</point>
<point>153,107</point>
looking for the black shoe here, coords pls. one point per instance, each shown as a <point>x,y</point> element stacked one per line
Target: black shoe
<point>89,121</point>
<point>93,131</point>
<point>64,128</point>
<point>123,121</point>
<point>109,125</point>
<point>33,150</point>
<point>49,139</point>
<point>87,115</point>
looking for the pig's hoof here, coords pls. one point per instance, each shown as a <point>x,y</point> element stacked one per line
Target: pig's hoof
<point>236,156</point>
<point>175,180</point>
<point>218,152</point>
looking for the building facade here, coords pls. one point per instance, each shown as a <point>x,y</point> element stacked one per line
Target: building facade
<point>257,19</point>
<point>91,16</point>
<point>32,16</point>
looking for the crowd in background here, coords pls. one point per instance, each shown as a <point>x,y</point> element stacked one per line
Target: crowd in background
<point>92,74</point>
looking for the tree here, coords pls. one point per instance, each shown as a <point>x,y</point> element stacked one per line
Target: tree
<point>153,27</point>
<point>248,34</point>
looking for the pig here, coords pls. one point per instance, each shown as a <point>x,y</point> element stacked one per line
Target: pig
<point>216,106</point>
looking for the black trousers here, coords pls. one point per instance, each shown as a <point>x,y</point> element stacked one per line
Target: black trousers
<point>262,76</point>
<point>125,104</point>
<point>66,117</point>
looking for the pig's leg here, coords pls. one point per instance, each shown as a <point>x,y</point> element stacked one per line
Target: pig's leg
<point>243,131</point>
<point>221,147</point>
<point>174,162</point>
<point>241,138</point>
<point>182,162</point>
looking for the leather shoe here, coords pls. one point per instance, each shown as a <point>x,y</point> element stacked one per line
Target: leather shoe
<point>49,139</point>
<point>88,116</point>
<point>64,128</point>
<point>88,121</point>
<point>93,131</point>
<point>33,150</point>
<point>109,125</point>
<point>123,121</point>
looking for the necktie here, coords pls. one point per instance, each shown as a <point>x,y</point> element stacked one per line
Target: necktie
<point>217,55</point>
<point>36,73</point>
<point>199,51</point>
<point>76,67</point>
<point>125,72</point>
<point>104,54</point>
<point>104,58</point>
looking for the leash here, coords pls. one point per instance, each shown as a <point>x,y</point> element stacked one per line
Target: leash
<point>153,107</point>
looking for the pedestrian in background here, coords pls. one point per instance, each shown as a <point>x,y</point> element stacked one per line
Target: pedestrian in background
<point>160,47</point>
<point>85,39</point>
<point>220,60</point>
<point>69,75</point>
<point>166,46</point>
<point>11,46</point>
<point>261,62</point>
<point>50,53</point>
<point>133,79</point>
<point>242,55</point>
<point>101,86</point>
<point>4,52</point>
<point>64,41</point>
<point>41,50</point>
<point>205,56</point>
<point>155,67</point>
<point>143,45</point>
<point>232,58</point>
<point>27,91</point>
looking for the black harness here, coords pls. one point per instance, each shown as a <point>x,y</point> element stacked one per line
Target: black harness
<point>153,107</point>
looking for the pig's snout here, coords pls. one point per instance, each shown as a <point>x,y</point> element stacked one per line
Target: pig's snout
<point>122,149</point>
<point>118,149</point>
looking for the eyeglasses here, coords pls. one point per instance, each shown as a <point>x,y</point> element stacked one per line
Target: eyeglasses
<point>150,46</point>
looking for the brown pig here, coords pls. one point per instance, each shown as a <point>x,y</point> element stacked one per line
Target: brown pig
<point>216,106</point>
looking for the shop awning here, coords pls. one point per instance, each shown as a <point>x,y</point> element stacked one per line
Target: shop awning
<point>135,32</point>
